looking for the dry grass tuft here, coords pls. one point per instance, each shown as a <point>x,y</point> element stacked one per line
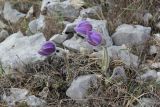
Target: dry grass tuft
<point>56,74</point>
<point>53,25</point>
<point>129,11</point>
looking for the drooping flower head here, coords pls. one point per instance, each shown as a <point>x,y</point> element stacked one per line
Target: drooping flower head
<point>94,38</point>
<point>83,27</point>
<point>47,48</point>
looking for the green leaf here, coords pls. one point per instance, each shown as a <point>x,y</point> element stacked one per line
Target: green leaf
<point>105,60</point>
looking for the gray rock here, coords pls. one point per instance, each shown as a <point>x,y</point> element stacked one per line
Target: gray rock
<point>121,52</point>
<point>157,36</point>
<point>10,14</point>
<point>64,8</point>
<point>97,54</point>
<point>21,95</point>
<point>146,102</point>
<point>40,23</point>
<point>77,3</point>
<point>37,25</point>
<point>69,28</point>
<point>147,17</point>
<point>33,101</point>
<point>155,65</point>
<point>17,95</point>
<point>119,74</point>
<point>32,27</point>
<point>80,86</point>
<point>153,50</point>
<point>3,35</point>
<point>65,22</point>
<point>158,25</point>
<point>143,16</point>
<point>158,77</point>
<point>59,38</point>
<point>45,3</point>
<point>131,35</point>
<point>18,50</point>
<point>103,59</point>
<point>90,12</point>
<point>60,52</point>
<point>76,43</point>
<point>44,93</point>
<point>98,25</point>
<point>150,75</point>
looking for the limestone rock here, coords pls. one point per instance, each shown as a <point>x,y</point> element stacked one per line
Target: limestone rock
<point>16,95</point>
<point>146,102</point>
<point>147,17</point>
<point>18,50</point>
<point>155,65</point>
<point>77,3</point>
<point>37,25</point>
<point>80,86</point>
<point>157,36</point>
<point>90,12</point>
<point>59,38</point>
<point>121,52</point>
<point>64,8</point>
<point>131,35</point>
<point>33,101</point>
<point>60,52</point>
<point>158,78</point>
<point>119,74</point>
<point>158,25</point>
<point>11,14</point>
<point>149,75</point>
<point>153,50</point>
<point>76,43</point>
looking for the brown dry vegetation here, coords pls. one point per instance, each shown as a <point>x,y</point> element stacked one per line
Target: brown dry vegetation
<point>55,74</point>
<point>52,75</point>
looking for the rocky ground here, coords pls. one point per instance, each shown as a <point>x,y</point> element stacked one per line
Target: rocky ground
<point>115,63</point>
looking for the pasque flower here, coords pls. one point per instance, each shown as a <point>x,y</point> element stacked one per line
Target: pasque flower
<point>94,38</point>
<point>83,27</point>
<point>47,48</point>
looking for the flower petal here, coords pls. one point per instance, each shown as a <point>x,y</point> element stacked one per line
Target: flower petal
<point>81,30</point>
<point>43,53</point>
<point>85,24</point>
<point>47,48</point>
<point>94,38</point>
<point>83,27</point>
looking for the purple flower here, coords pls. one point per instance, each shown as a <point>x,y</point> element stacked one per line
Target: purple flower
<point>83,27</point>
<point>94,38</point>
<point>47,48</point>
